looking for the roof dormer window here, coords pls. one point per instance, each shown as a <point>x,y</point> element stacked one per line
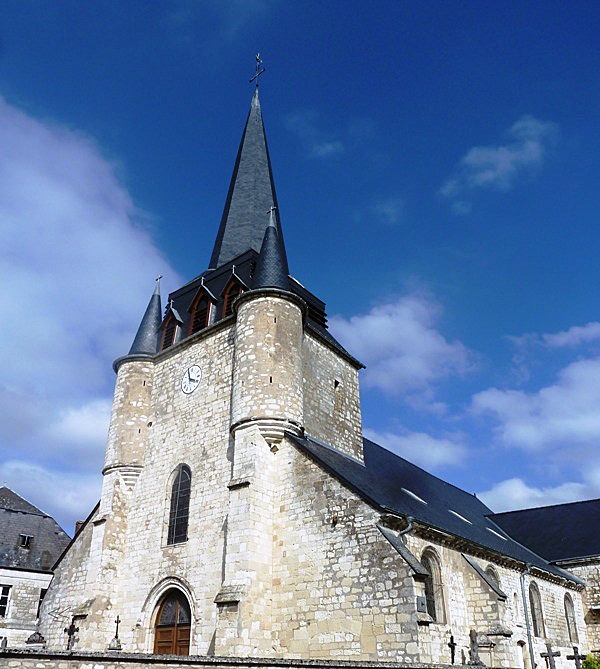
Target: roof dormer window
<point>170,330</point>
<point>232,290</point>
<point>200,312</point>
<point>25,540</point>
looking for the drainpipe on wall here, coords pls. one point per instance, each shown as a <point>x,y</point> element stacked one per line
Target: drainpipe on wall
<point>526,611</point>
<point>408,528</point>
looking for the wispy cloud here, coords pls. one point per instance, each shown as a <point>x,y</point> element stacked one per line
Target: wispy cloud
<point>389,210</point>
<point>186,20</point>
<point>422,449</point>
<point>318,143</point>
<point>78,266</point>
<point>404,352</point>
<point>574,336</point>
<point>498,167</point>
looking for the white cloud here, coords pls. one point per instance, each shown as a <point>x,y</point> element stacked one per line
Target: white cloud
<point>317,143</point>
<point>574,336</point>
<point>562,414</point>
<point>403,352</point>
<point>78,268</point>
<point>498,167</point>
<point>66,498</point>
<point>514,494</point>
<point>421,449</point>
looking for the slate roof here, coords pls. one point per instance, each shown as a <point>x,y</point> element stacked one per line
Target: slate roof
<point>559,532</point>
<point>270,267</point>
<point>146,339</point>
<point>251,195</point>
<point>19,517</point>
<point>393,484</point>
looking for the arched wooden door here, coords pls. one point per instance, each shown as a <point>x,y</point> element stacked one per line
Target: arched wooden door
<point>172,630</point>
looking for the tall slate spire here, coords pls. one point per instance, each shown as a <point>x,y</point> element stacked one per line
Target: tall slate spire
<point>146,339</point>
<point>271,268</point>
<point>251,194</point>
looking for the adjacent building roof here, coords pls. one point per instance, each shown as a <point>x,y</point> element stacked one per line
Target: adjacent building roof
<point>562,532</point>
<point>393,484</point>
<point>29,538</point>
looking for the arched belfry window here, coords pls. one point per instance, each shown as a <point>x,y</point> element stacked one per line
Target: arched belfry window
<point>570,618</point>
<point>434,593</point>
<point>537,616</point>
<point>173,623</point>
<point>200,312</point>
<point>232,290</point>
<point>180,505</point>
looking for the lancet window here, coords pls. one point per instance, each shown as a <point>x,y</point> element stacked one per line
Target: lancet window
<point>570,618</point>
<point>434,594</point>
<point>537,616</point>
<point>180,506</point>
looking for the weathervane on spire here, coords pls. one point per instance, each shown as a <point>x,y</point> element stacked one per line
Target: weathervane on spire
<point>259,69</point>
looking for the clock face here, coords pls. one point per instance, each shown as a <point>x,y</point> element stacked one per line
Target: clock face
<point>191,379</point>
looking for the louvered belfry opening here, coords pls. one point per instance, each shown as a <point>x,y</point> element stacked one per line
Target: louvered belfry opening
<point>231,292</point>
<point>173,624</point>
<point>200,314</point>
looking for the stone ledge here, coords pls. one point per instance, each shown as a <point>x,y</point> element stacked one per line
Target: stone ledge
<point>116,658</point>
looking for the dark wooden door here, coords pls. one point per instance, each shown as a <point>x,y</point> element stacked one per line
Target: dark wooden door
<point>172,632</point>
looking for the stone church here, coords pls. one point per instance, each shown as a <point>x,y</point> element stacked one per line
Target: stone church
<point>244,515</point>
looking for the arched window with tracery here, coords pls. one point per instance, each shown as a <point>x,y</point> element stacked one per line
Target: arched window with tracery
<point>434,593</point>
<point>180,506</point>
<point>232,290</point>
<point>570,618</point>
<point>537,616</point>
<point>173,624</point>
<point>200,312</point>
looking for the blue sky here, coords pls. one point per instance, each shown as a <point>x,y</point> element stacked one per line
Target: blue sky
<point>437,171</point>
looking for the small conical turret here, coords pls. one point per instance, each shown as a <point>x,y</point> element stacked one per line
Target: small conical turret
<point>146,339</point>
<point>271,267</point>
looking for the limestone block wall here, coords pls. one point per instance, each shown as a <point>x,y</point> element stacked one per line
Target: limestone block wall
<point>21,615</point>
<point>470,604</point>
<point>268,360</point>
<point>68,589</point>
<point>128,430</point>
<point>331,398</point>
<point>339,588</point>
<point>589,572</point>
<point>121,563</point>
<point>191,429</point>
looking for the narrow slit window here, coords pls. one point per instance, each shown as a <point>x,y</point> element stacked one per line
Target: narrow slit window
<point>25,540</point>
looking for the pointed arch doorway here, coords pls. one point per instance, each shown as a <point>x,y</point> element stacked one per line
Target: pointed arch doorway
<point>172,627</point>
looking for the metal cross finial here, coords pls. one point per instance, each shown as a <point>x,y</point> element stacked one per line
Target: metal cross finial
<point>158,278</point>
<point>259,70</point>
<point>117,621</point>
